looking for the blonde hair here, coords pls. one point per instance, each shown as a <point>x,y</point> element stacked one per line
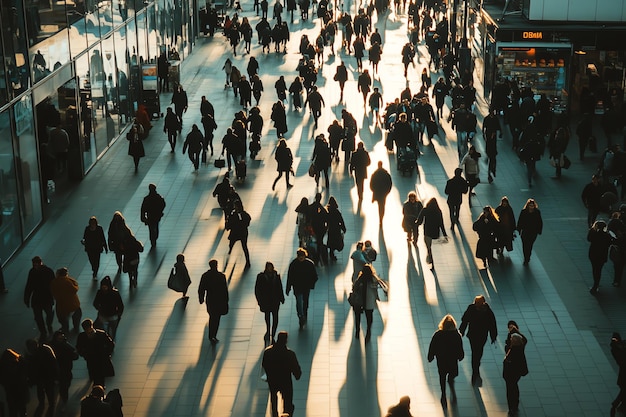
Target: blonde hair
<point>447,323</point>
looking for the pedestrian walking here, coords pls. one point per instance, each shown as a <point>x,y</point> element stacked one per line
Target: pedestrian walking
<point>557,146</point>
<point>43,372</point>
<point>599,240</point>
<point>295,89</point>
<point>280,363</point>
<point>440,91</point>
<point>380,184</point>
<point>269,294</point>
<point>14,380</point>
<point>38,296</point>
<point>618,351</point>
<point>318,220</point>
<point>131,247</point>
<point>432,219</point>
<point>180,102</point>
<point>118,231</point>
<point>284,160</point>
<point>506,230</point>
<point>179,279</point>
<point>65,356</point>
<point>447,346</point>
<point>584,131</point>
<point>529,226</point>
<point>482,323</point>
<point>228,68</point>
<point>491,149</point>
<point>359,260</point>
<point>96,347</point>
<point>172,125</point>
<point>65,292</point>
<point>209,125</point>
<point>110,307</point>
<point>486,226</point>
<point>94,404</point>
<point>592,197</point>
<point>281,89</point>
<point>321,159</point>
<point>515,365</point>
<point>366,285</point>
<point>402,409</point>
<point>279,117</point>
<point>455,188</point>
<point>364,84</point>
<point>94,242</point>
<point>316,102</point>
<point>471,168</point>
<point>336,228</point>
<point>152,212</point>
<point>349,136</point>
<point>135,146</point>
<point>302,220</point>
<point>530,149</point>
<point>238,223</point>
<point>195,143</point>
<point>213,290</point>
<point>411,209</point>
<point>301,277</point>
<point>359,161</point>
<point>341,76</point>
<point>376,102</point>
<point>359,52</point>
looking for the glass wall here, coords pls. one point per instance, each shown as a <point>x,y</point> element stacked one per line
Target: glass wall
<point>15,43</point>
<point>10,225</point>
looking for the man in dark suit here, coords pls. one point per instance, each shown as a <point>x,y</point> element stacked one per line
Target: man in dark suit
<point>279,363</point>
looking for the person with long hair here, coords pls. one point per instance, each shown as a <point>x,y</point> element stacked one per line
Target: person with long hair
<point>529,226</point>
<point>336,228</point>
<point>447,346</point>
<point>94,243</point>
<point>486,226</point>
<point>367,286</point>
<point>506,225</point>
<point>118,230</point>
<point>432,218</point>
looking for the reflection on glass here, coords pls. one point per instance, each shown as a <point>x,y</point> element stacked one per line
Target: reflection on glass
<point>9,208</point>
<point>142,38</point>
<point>3,82</point>
<point>122,71</point>
<point>49,55</point>
<point>15,46</point>
<point>29,194</point>
<point>85,123</point>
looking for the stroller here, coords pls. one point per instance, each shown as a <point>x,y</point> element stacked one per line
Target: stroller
<point>407,160</point>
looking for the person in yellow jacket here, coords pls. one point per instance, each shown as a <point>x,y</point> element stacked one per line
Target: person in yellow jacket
<point>65,292</point>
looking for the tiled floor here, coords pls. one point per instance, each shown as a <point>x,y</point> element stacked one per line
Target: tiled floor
<point>164,362</point>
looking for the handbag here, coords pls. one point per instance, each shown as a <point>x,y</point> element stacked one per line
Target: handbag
<point>219,163</point>
<point>566,162</point>
<point>312,170</point>
<point>173,283</point>
<point>355,299</point>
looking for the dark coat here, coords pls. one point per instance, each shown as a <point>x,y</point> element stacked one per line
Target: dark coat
<point>359,161</point>
<point>238,223</point>
<point>599,248</point>
<point>447,347</point>
<point>507,226</point>
<point>94,240</point>
<point>618,350</point>
<point>515,365</point>
<point>481,321</point>
<point>530,223</point>
<point>279,118</point>
<point>152,208</point>
<point>135,145</point>
<point>321,155</point>
<point>487,235</point>
<point>410,212</point>
<point>284,158</point>
<point>97,350</point>
<point>432,218</point>
<point>380,184</point>
<point>279,363</point>
<point>301,276</point>
<point>336,229</point>
<point>269,291</point>
<point>109,303</point>
<point>455,188</point>
<point>214,290</point>
<point>131,248</point>
<point>37,292</point>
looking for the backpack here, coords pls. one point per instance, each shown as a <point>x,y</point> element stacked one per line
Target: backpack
<point>114,399</point>
<point>608,163</point>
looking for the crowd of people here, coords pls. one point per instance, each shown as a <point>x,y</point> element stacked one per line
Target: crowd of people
<point>321,227</point>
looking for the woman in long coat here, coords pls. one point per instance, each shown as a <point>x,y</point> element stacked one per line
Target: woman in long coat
<point>367,285</point>
<point>94,242</point>
<point>515,365</point>
<point>529,225</point>
<point>130,249</point>
<point>269,295</point>
<point>486,226</point>
<point>135,145</point>
<point>506,226</point>
<point>599,240</point>
<point>447,346</point>
<point>336,228</point>
<point>279,118</point>
<point>118,230</point>
<point>284,159</point>
<point>295,89</point>
<point>432,218</point>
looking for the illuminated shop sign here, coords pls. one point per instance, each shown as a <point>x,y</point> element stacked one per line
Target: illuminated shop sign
<point>532,35</point>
